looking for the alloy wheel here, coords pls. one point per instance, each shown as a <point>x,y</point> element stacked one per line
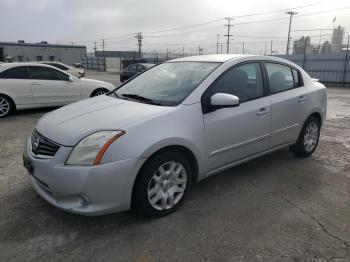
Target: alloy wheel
<point>311,136</point>
<point>167,185</point>
<point>4,106</point>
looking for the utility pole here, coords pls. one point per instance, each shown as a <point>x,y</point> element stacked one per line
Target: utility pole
<point>217,43</point>
<point>228,33</point>
<point>139,43</point>
<point>221,48</point>
<point>103,54</point>
<point>95,48</point>
<point>243,47</point>
<point>291,13</point>
<point>271,48</point>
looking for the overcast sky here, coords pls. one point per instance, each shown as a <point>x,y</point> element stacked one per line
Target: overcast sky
<point>86,21</point>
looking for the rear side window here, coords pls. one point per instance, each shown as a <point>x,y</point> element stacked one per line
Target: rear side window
<point>20,72</point>
<point>280,77</point>
<point>297,78</point>
<point>132,68</point>
<point>140,68</point>
<point>45,73</point>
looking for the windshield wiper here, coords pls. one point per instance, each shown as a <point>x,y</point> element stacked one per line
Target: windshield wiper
<point>140,99</point>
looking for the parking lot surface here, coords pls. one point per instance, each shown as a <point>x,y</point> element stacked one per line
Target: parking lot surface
<point>276,208</point>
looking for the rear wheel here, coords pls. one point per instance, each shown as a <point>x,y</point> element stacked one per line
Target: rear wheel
<point>98,92</point>
<point>6,106</point>
<point>162,184</point>
<point>308,138</point>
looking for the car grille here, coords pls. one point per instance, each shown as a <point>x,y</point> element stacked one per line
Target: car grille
<point>43,146</point>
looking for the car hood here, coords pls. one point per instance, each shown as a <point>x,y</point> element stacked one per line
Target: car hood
<point>69,124</point>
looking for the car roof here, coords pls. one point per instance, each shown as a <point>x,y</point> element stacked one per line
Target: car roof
<point>5,66</point>
<point>218,58</point>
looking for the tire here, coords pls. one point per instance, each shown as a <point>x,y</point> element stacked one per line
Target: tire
<point>158,190</point>
<point>7,106</point>
<point>99,91</point>
<point>308,138</point>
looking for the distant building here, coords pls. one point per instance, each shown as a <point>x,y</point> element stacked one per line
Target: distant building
<point>326,47</point>
<point>300,45</point>
<point>25,52</point>
<point>337,39</point>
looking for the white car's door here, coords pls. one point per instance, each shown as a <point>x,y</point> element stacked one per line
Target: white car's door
<point>50,86</point>
<point>236,133</point>
<point>15,82</point>
<point>288,101</point>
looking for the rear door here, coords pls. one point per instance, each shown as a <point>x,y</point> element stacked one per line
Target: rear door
<point>50,86</point>
<point>288,102</point>
<point>15,82</point>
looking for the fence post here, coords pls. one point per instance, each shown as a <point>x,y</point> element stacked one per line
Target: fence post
<point>346,61</point>
<point>305,53</point>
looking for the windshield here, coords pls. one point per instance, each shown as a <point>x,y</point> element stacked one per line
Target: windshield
<point>167,84</point>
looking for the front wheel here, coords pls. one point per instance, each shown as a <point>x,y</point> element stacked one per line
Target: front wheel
<point>98,92</point>
<point>308,138</point>
<point>162,184</point>
<point>6,106</point>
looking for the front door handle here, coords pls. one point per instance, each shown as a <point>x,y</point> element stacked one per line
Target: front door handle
<point>301,99</point>
<point>263,111</point>
<point>35,84</point>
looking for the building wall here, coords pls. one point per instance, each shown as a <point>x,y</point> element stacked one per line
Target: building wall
<point>30,52</point>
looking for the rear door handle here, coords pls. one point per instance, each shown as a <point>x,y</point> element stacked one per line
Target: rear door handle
<point>35,84</point>
<point>301,99</point>
<point>263,111</point>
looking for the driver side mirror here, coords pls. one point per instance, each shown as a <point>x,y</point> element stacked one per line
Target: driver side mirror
<point>222,100</point>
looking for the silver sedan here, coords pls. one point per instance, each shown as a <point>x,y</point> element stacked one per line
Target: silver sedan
<point>142,145</point>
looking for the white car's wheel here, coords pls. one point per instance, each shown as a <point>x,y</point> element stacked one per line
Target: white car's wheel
<point>99,92</point>
<point>6,106</point>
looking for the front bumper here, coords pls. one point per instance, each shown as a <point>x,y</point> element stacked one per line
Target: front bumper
<point>85,190</point>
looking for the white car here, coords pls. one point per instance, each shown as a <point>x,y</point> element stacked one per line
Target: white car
<point>31,85</point>
<point>179,122</point>
<point>78,72</point>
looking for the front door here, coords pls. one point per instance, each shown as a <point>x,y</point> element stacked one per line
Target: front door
<point>50,86</point>
<point>233,134</point>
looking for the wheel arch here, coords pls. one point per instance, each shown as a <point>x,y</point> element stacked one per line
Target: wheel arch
<point>317,115</point>
<point>185,151</point>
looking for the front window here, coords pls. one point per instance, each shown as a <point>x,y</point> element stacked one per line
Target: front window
<point>167,84</point>
<point>244,81</point>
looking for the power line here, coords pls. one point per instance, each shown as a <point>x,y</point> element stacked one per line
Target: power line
<point>238,16</point>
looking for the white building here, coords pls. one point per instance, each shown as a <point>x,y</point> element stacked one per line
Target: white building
<point>337,39</point>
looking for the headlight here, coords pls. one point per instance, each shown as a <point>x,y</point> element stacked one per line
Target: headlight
<point>90,150</point>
